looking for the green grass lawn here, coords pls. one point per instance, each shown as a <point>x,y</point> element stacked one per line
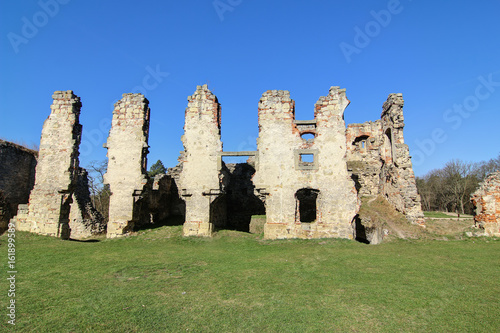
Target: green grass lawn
<point>158,281</point>
<point>437,215</point>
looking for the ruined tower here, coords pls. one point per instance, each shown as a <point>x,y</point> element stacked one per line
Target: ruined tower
<point>380,161</point>
<point>127,162</point>
<point>307,189</point>
<point>57,168</point>
<point>199,181</point>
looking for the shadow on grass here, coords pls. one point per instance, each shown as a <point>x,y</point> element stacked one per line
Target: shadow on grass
<point>84,240</point>
<point>170,221</point>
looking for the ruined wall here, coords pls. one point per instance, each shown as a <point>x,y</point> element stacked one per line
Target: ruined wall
<point>17,178</point>
<point>126,175</point>
<point>308,191</point>
<point>397,177</point>
<point>364,156</point>
<point>486,199</point>
<point>199,180</point>
<point>380,161</point>
<point>84,219</point>
<point>57,168</point>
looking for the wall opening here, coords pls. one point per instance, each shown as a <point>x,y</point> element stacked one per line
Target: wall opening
<point>241,201</point>
<point>388,146</point>
<point>361,143</point>
<point>308,136</point>
<point>307,158</point>
<point>306,207</point>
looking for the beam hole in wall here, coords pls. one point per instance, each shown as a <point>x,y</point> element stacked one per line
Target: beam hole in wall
<point>306,207</point>
<point>308,136</point>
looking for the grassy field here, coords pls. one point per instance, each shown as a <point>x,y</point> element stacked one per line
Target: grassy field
<point>158,281</point>
<point>444,215</point>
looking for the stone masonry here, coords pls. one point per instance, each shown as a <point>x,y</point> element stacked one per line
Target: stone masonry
<point>17,178</point>
<point>486,199</point>
<point>199,181</point>
<point>127,162</point>
<point>307,176</point>
<point>57,171</point>
<point>308,191</point>
<point>380,161</point>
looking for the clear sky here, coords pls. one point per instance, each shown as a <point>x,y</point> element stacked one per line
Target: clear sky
<point>444,56</point>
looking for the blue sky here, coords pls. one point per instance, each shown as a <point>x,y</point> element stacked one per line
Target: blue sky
<point>443,56</point>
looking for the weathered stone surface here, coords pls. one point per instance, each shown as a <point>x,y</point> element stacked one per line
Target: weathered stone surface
<point>308,173</point>
<point>127,162</point>
<point>304,198</point>
<point>50,198</point>
<point>17,178</point>
<point>199,181</point>
<point>486,199</point>
<point>380,162</point>
<point>84,219</point>
<point>58,174</point>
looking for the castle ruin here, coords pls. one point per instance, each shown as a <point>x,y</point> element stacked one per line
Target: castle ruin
<point>57,203</point>
<point>306,176</point>
<point>486,200</point>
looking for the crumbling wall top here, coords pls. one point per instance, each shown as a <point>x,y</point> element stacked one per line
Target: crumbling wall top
<point>66,98</point>
<point>332,104</point>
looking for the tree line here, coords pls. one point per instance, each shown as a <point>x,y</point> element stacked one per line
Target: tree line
<point>449,188</point>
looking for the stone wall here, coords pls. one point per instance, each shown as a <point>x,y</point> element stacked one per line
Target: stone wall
<point>58,172</point>
<point>126,175</point>
<point>380,162</point>
<point>84,219</point>
<point>17,178</point>
<point>486,199</point>
<point>308,191</point>
<point>199,180</point>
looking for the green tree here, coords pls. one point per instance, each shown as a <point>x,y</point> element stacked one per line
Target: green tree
<point>156,169</point>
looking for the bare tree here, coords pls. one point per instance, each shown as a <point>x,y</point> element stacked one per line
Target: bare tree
<point>460,181</point>
<point>99,191</point>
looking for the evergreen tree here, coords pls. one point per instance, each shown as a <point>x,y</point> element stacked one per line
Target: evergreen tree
<point>156,169</point>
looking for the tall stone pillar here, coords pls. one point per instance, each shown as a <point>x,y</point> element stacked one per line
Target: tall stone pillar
<point>199,181</point>
<point>127,162</point>
<point>57,168</point>
<point>398,182</point>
